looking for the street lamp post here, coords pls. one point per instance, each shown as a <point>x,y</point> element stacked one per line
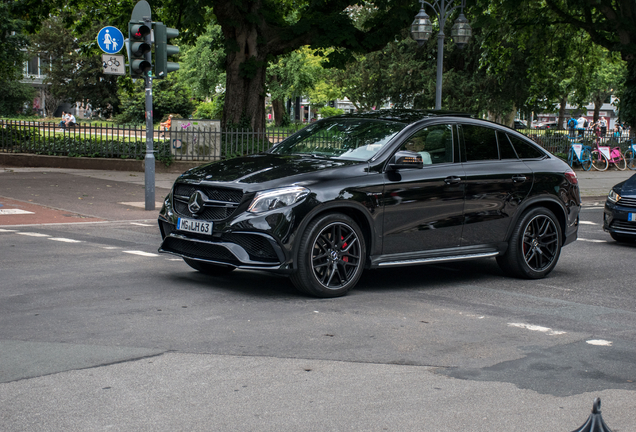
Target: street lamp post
<point>422,28</point>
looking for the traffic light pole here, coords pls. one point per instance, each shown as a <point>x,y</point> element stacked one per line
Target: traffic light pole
<point>149,161</point>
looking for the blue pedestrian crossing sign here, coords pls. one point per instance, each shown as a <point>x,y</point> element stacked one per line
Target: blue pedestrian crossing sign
<point>110,40</point>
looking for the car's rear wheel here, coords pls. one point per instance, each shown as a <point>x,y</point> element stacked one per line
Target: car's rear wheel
<point>534,247</point>
<point>208,268</point>
<point>622,238</point>
<point>331,256</point>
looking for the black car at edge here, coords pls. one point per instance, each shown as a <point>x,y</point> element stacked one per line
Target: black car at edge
<point>619,217</point>
<point>370,190</point>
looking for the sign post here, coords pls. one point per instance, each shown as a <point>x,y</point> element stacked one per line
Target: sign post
<point>142,13</point>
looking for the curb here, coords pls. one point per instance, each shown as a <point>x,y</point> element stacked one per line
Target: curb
<point>36,161</point>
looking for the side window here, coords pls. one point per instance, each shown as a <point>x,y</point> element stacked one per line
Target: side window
<point>525,150</point>
<point>505,147</point>
<point>480,143</point>
<point>434,143</point>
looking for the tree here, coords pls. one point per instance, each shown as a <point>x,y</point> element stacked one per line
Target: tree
<point>13,44</point>
<point>294,74</point>
<point>170,96</point>
<point>257,31</point>
<point>612,25</point>
<point>202,65</point>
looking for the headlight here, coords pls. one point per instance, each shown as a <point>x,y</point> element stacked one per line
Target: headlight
<point>613,196</point>
<point>277,198</point>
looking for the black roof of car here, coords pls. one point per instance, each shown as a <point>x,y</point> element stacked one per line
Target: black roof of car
<point>403,115</point>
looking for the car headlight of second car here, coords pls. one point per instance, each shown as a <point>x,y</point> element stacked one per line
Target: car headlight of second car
<point>613,196</point>
<point>277,198</point>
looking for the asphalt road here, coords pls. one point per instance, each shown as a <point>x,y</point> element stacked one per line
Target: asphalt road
<point>99,332</point>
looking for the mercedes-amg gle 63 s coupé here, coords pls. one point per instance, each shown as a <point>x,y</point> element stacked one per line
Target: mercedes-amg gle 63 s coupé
<point>370,190</point>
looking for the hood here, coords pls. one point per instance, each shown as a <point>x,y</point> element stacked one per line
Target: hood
<point>628,187</point>
<point>264,168</point>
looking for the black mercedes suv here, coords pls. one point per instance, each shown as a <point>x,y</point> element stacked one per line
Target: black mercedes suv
<point>381,189</point>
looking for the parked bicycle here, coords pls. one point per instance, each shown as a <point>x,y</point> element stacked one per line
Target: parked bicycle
<point>630,156</point>
<point>602,156</point>
<point>581,154</point>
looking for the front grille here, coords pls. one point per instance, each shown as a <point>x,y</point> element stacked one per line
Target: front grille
<point>217,194</point>
<point>627,202</point>
<point>208,213</point>
<point>198,250</point>
<point>256,246</point>
<point>623,226</point>
<point>225,201</point>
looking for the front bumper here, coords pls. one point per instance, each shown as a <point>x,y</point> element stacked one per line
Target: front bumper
<point>236,242</point>
<point>616,219</point>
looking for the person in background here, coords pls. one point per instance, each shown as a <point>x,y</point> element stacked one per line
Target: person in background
<point>572,124</point>
<point>63,121</point>
<point>581,124</point>
<point>603,126</point>
<point>165,126</point>
<point>70,120</point>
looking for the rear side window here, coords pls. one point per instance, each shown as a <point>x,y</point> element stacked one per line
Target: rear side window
<point>525,150</point>
<point>505,148</point>
<point>480,143</point>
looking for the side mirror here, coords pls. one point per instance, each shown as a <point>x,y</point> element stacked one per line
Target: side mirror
<point>406,159</point>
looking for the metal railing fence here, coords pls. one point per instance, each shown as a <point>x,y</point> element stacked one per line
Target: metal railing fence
<point>129,142</point>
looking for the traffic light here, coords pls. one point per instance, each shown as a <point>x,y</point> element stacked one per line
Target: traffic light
<point>163,50</point>
<point>139,59</point>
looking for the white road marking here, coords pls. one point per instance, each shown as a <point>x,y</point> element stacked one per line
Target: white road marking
<point>532,327</point>
<point>32,234</point>
<point>6,230</point>
<point>14,212</point>
<point>140,253</point>
<point>140,224</point>
<point>111,247</point>
<point>587,223</point>
<point>174,259</point>
<point>65,240</point>
<point>599,342</point>
<point>592,240</point>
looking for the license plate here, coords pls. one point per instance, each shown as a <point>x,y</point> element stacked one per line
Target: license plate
<point>195,226</point>
<point>631,217</point>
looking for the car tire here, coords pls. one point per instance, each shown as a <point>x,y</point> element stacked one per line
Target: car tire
<point>331,256</point>
<point>534,247</point>
<point>622,238</point>
<point>209,269</point>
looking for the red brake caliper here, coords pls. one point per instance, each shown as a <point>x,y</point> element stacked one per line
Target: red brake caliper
<point>344,246</point>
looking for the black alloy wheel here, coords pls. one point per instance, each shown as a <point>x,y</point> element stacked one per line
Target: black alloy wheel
<point>535,245</point>
<point>208,268</point>
<point>331,256</point>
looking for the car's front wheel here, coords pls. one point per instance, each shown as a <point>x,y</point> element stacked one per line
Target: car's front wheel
<point>208,268</point>
<point>534,247</point>
<point>331,256</point>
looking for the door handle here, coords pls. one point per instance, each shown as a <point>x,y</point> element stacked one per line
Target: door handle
<point>452,180</point>
<point>518,179</point>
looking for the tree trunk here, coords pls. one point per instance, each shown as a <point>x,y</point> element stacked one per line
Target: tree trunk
<point>564,101</point>
<point>278,105</point>
<point>509,119</point>
<point>598,103</point>
<point>628,100</point>
<point>246,66</point>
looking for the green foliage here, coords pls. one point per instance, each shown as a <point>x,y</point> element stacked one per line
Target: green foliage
<point>170,96</point>
<point>12,44</point>
<point>14,96</point>
<point>203,65</point>
<point>31,140</point>
<point>330,111</point>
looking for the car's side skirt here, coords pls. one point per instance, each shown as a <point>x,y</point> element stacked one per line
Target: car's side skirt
<point>429,257</point>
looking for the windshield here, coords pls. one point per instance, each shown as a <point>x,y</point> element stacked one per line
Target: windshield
<point>355,139</point>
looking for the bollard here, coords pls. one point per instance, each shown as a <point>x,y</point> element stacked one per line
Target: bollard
<point>595,422</point>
